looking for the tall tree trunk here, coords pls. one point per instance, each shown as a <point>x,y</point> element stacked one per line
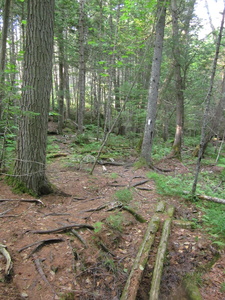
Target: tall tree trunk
<point>61,81</point>
<point>207,106</point>
<point>82,67</point>
<point>29,170</point>
<point>3,52</point>
<point>179,83</point>
<point>147,143</point>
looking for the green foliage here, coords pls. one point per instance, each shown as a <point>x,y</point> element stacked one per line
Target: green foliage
<point>18,187</point>
<point>124,196</point>
<point>98,226</point>
<point>115,222</point>
<point>113,175</point>
<point>68,296</point>
<point>222,287</point>
<point>169,185</point>
<point>214,216</point>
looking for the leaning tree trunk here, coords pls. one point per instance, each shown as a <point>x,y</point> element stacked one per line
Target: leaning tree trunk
<point>207,106</point>
<point>154,84</point>
<point>29,170</point>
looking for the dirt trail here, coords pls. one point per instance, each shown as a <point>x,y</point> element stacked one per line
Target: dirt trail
<point>96,268</point>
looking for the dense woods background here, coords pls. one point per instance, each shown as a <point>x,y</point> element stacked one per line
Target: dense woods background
<point>102,70</point>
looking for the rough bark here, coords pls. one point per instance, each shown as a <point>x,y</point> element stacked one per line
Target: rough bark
<point>29,170</point>
<point>154,84</point>
<point>3,50</point>
<point>82,67</point>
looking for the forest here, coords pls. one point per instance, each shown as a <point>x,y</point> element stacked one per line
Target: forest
<point>112,131</point>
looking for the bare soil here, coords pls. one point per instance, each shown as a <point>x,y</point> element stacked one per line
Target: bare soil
<point>97,266</point>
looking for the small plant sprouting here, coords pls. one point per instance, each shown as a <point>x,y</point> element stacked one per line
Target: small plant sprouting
<point>98,227</point>
<point>124,196</point>
<point>115,222</point>
<point>113,175</point>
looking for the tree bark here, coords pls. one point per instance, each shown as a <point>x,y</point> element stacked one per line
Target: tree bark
<point>207,107</point>
<point>29,169</point>
<point>82,67</point>
<point>3,51</point>
<point>154,84</point>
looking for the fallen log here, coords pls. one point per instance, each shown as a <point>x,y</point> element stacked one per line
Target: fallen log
<point>138,217</point>
<point>133,281</point>
<point>160,206</point>
<point>213,199</point>
<point>157,273</point>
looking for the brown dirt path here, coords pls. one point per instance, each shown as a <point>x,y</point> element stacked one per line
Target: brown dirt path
<point>98,269</point>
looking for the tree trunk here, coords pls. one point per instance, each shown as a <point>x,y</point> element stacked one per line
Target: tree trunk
<point>82,67</point>
<point>154,84</point>
<point>179,85</point>
<point>61,80</point>
<point>3,52</point>
<point>29,170</point>
<point>207,106</point>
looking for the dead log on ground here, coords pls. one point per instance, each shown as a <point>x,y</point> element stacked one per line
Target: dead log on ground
<point>213,199</point>
<point>138,217</point>
<point>157,273</point>
<point>133,281</point>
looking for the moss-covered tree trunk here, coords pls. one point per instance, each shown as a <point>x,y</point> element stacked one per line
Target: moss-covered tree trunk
<point>29,168</point>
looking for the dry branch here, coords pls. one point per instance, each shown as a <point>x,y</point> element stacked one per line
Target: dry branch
<point>154,292</point>
<point>7,256</point>
<point>64,228</point>
<point>133,281</point>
